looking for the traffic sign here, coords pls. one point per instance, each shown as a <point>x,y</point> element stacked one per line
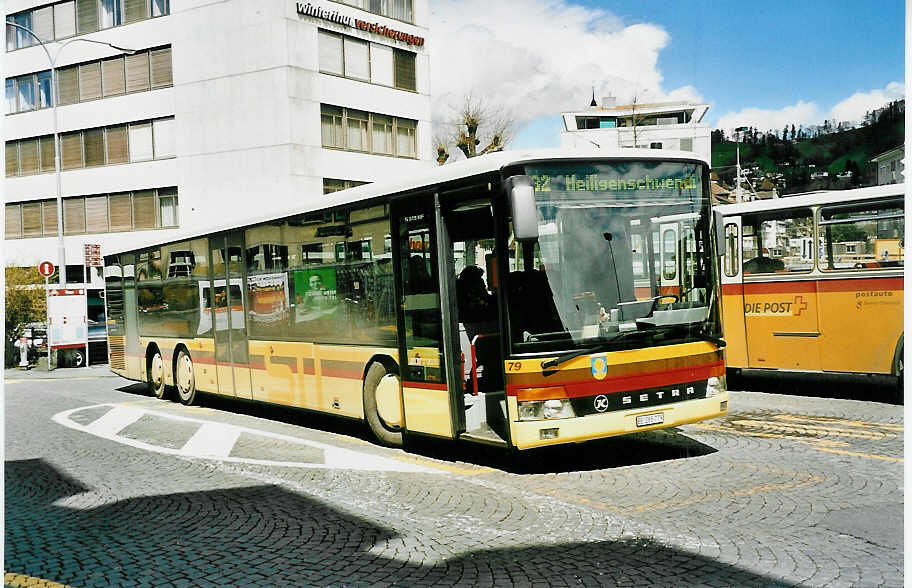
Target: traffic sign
<point>46,269</point>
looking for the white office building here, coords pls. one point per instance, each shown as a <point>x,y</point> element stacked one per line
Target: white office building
<point>665,125</point>
<point>218,112</point>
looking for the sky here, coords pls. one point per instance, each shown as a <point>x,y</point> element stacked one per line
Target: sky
<point>760,64</point>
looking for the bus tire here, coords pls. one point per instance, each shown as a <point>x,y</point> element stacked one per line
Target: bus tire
<point>155,373</point>
<point>185,377</point>
<point>899,371</point>
<point>386,434</point>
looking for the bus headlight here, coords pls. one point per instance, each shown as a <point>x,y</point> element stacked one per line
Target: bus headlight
<point>535,410</point>
<point>715,385</point>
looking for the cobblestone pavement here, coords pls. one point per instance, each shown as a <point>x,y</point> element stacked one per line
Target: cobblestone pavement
<point>784,491</point>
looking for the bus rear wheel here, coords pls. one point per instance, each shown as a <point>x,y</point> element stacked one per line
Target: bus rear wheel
<point>382,409</point>
<point>184,378</point>
<point>155,374</point>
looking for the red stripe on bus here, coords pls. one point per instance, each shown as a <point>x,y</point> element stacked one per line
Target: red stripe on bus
<point>71,346</point>
<point>426,385</point>
<point>632,382</point>
<point>860,284</point>
<point>732,289</point>
<point>341,373</point>
<point>802,286</point>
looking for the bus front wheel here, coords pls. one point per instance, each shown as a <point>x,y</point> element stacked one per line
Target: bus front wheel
<point>184,378</point>
<point>382,409</point>
<point>155,374</point>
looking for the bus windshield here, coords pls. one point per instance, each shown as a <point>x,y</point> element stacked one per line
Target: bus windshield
<point>622,259</point>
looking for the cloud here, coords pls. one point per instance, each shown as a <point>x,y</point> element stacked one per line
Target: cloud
<point>855,106</point>
<point>764,119</point>
<point>542,58</point>
<point>852,109</point>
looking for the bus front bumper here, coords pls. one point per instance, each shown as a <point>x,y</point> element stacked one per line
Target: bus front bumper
<point>539,433</point>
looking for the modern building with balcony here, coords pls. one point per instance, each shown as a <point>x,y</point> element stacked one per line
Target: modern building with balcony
<point>217,111</point>
<point>663,125</point>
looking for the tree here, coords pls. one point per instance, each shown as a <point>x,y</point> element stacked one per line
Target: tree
<point>785,131</point>
<point>476,123</point>
<point>793,132</point>
<point>25,299</point>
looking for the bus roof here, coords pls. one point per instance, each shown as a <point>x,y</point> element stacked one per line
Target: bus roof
<point>466,168</point>
<point>812,199</point>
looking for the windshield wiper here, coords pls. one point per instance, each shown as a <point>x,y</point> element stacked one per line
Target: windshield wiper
<point>603,346</point>
<point>698,333</point>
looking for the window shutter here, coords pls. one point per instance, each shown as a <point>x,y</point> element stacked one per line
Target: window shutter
<point>89,81</point>
<point>13,221</point>
<point>64,19</point>
<point>161,67</point>
<point>31,219</point>
<point>49,212</point>
<point>43,23</point>
<point>116,140</point>
<point>86,16</point>
<point>94,147</point>
<point>96,214</point>
<point>356,59</point>
<point>71,146</point>
<point>28,156</point>
<point>47,153</point>
<point>136,10</point>
<point>330,52</point>
<point>113,77</point>
<point>163,133</point>
<point>67,85</point>
<point>12,158</point>
<point>74,216</point>
<point>140,142</point>
<point>144,209</point>
<point>137,72</point>
<point>381,65</point>
<point>404,69</point>
<point>120,212</point>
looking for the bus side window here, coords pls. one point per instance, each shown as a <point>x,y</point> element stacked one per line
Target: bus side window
<point>779,242</point>
<point>732,261</point>
<point>863,236</point>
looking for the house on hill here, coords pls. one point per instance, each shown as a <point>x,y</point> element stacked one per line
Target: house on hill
<point>890,166</point>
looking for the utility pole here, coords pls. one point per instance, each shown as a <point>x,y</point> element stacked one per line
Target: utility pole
<point>738,196</point>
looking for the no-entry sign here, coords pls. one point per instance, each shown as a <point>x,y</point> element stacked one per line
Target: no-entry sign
<point>46,269</point>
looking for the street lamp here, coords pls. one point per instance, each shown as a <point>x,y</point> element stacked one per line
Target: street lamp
<point>61,250</point>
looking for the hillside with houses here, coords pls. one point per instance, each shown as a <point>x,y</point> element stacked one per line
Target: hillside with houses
<point>832,156</point>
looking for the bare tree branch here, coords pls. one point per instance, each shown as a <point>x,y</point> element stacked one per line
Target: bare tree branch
<point>476,123</point>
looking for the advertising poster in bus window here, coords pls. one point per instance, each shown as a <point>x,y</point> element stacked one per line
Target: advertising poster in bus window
<point>315,294</point>
<point>268,298</point>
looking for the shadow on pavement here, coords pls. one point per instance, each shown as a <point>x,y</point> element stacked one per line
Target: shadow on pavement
<point>627,450</point>
<point>842,386</point>
<point>269,536</point>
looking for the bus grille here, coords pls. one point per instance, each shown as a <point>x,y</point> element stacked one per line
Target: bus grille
<point>116,355</point>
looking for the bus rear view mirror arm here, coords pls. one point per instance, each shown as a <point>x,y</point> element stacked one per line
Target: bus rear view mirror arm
<point>719,223</point>
<point>522,204</point>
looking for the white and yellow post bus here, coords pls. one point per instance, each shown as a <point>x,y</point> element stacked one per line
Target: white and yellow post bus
<point>814,282</point>
<point>504,299</point>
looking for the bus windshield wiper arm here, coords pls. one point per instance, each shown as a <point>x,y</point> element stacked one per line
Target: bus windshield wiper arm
<point>605,345</point>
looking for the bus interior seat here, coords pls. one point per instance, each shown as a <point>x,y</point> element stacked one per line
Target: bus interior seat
<point>533,304</point>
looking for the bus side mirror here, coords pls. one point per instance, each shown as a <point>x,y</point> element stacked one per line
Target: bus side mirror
<point>522,203</point>
<point>719,223</point>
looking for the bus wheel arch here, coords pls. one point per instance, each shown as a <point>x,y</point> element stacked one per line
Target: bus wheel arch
<point>184,375</point>
<point>382,407</point>
<point>155,371</point>
<point>898,371</point>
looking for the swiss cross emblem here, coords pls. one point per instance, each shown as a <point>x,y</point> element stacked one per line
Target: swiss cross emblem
<point>800,305</point>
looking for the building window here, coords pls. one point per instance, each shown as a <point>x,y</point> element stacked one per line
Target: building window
<point>126,143</point>
<point>369,62</point>
<point>331,185</point>
<point>142,71</point>
<point>66,19</point>
<point>398,9</point>
<point>368,132</point>
<point>126,211</point>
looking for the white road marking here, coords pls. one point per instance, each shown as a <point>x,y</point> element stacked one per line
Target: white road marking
<point>214,441</point>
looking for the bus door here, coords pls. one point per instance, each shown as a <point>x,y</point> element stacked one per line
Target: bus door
<point>668,258</point>
<point>780,292</point>
<point>426,400</point>
<point>228,315</point>
<point>733,295</point>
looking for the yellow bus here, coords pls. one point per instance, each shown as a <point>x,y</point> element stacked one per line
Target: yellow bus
<point>505,299</point>
<point>814,282</point>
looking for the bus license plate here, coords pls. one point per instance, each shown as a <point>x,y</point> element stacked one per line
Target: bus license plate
<point>650,419</point>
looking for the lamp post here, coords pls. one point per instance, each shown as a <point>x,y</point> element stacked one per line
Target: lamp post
<point>61,250</point>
